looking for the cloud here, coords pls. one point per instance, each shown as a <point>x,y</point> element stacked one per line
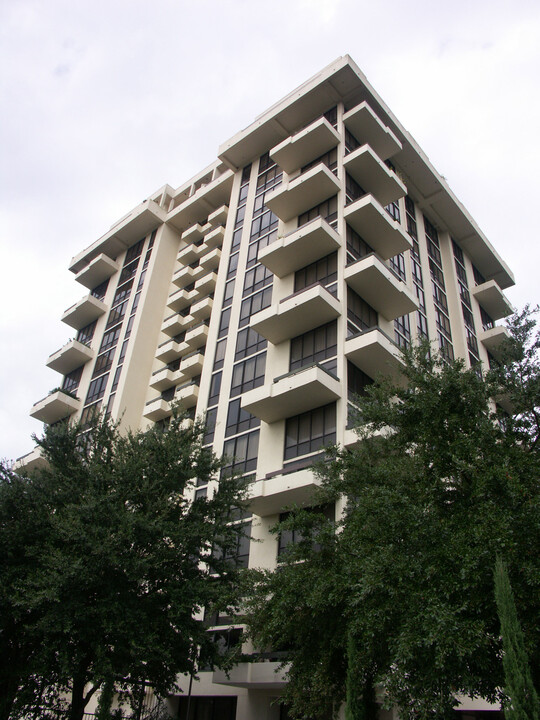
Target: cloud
<point>105,102</point>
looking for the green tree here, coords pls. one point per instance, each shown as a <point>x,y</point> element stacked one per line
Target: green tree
<point>121,561</point>
<point>436,488</point>
<point>523,700</point>
<point>23,528</point>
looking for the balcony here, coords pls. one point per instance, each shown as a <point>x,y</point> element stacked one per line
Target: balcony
<point>72,355</point>
<point>301,247</point>
<point>97,271</point>
<point>253,676</point>
<point>310,143</point>
<point>205,285</point>
<point>192,365</point>
<point>183,277</point>
<point>194,233</point>
<point>203,202</point>
<point>171,350</point>
<point>214,239</point>
<point>492,299</point>
<point>189,254</point>
<point>374,224</point>
<point>292,394</point>
<point>351,438</point>
<point>128,230</point>
<point>157,409</point>
<point>304,192</point>
<point>197,336</point>
<point>282,489</point>
<point>173,325</point>
<point>378,286</point>
<point>375,354</point>
<point>219,216</point>
<point>210,261</point>
<point>296,314</point>
<point>366,127</point>
<point>493,339</point>
<point>187,275</point>
<point>181,299</point>
<point>84,312</point>
<point>55,407</point>
<point>33,460</point>
<point>202,309</point>
<point>373,175</point>
<point>165,378</point>
<point>187,395</point>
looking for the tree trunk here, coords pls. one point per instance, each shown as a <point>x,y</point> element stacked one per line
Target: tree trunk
<point>79,700</point>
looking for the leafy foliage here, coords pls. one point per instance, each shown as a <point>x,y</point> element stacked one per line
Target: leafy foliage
<point>437,487</point>
<point>523,702</point>
<point>116,561</point>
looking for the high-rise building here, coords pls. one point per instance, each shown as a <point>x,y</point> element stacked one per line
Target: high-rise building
<point>266,292</point>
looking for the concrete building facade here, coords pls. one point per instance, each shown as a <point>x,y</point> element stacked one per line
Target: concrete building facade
<point>265,293</point>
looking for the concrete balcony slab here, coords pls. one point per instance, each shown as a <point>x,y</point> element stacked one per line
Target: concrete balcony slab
<point>157,409</point>
<point>373,175</point>
<point>193,233</point>
<point>371,221</point>
<point>173,325</point>
<point>253,676</point>
<point>171,350</point>
<point>97,271</point>
<point>210,261</point>
<point>219,216</point>
<point>183,276</point>
<point>303,311</point>
<point>303,192</point>
<point>310,143</point>
<point>493,339</point>
<point>376,284</point>
<point>33,460</point>
<point>375,354</point>
<point>187,395</point>
<point>181,299</point>
<point>368,128</point>
<point>278,490</point>
<point>192,365</point>
<point>164,378</point>
<point>492,299</point>
<point>197,336</point>
<point>292,394</point>
<point>303,246</point>
<point>214,238</point>
<point>84,312</point>
<point>71,356</point>
<point>190,253</point>
<point>56,406</point>
<point>203,202</point>
<point>202,309</point>
<point>205,285</point>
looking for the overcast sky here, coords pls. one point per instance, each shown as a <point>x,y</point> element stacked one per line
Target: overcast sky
<point>104,102</point>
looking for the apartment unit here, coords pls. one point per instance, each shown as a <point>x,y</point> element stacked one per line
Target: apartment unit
<point>266,293</point>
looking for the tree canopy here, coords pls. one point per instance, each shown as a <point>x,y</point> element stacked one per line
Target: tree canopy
<point>108,563</point>
<point>397,596</point>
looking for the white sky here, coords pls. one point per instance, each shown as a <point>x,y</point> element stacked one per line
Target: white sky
<point>104,102</point>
